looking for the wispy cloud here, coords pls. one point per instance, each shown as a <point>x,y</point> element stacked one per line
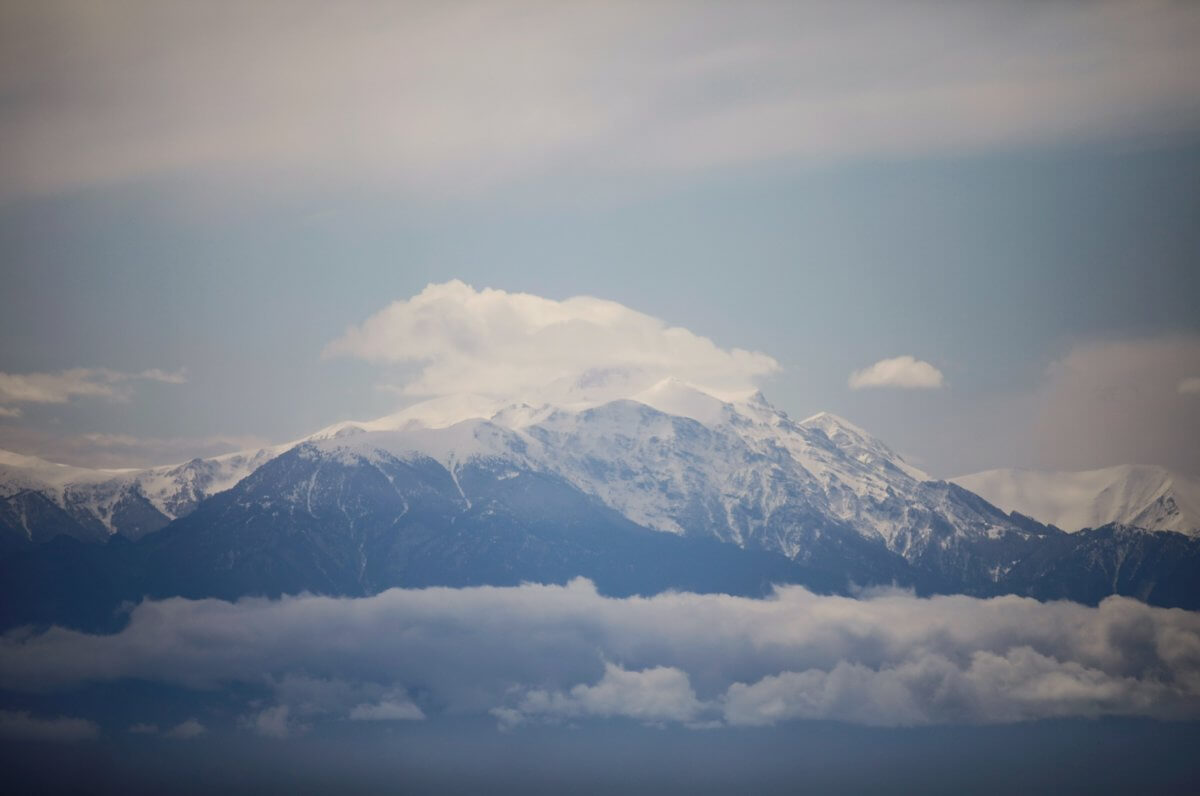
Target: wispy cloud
<point>21,726</point>
<point>186,730</point>
<point>109,449</point>
<point>1119,402</point>
<point>1189,386</point>
<point>905,372</point>
<point>449,97</point>
<point>62,386</point>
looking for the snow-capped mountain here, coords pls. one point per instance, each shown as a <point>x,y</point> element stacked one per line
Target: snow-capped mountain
<point>677,459</point>
<point>41,499</point>
<point>1141,496</point>
<point>670,487</point>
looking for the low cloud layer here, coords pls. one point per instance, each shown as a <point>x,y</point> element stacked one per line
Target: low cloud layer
<point>507,345</point>
<point>889,659</point>
<point>905,372</point>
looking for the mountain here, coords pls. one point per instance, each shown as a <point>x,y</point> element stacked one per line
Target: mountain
<point>672,487</point>
<point>1152,498</point>
<point>40,500</point>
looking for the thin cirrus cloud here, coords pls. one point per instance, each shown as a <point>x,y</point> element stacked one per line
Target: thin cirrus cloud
<point>508,345</point>
<point>1189,386</point>
<point>693,660</point>
<point>62,386</point>
<point>20,725</point>
<point>374,93</point>
<point>904,372</point>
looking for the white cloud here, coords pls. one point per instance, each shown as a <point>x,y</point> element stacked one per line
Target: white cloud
<point>394,709</point>
<point>21,726</point>
<point>660,694</point>
<point>10,411</point>
<point>506,345</point>
<point>1189,386</point>
<point>888,659</point>
<point>186,730</point>
<point>904,372</point>
<point>384,94</point>
<point>62,386</point>
<point>95,449</point>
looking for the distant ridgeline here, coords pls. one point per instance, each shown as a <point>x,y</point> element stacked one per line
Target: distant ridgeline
<point>673,489</point>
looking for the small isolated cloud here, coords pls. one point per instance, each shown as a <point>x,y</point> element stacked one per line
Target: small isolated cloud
<point>506,345</point>
<point>64,385</point>
<point>394,709</point>
<point>652,696</point>
<point>904,372</point>
<point>273,722</point>
<point>21,726</point>
<point>141,728</point>
<point>186,730</point>
<point>1189,386</point>
<point>10,411</point>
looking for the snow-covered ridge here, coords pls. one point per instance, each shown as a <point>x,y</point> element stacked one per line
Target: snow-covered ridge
<point>1143,496</point>
<point>679,459</point>
<point>132,501</point>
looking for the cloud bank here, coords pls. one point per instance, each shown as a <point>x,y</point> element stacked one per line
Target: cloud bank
<point>889,659</point>
<point>452,97</point>
<point>905,372</point>
<point>507,345</point>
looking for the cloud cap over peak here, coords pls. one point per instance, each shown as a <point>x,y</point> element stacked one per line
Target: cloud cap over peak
<point>905,372</point>
<point>500,344</point>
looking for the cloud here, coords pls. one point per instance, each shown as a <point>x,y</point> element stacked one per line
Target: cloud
<point>661,694</point>
<point>904,372</point>
<point>272,722</point>
<point>889,659</point>
<point>388,710</point>
<point>64,385</point>
<point>97,449</point>
<point>1119,402</point>
<point>501,344</point>
<point>10,411</point>
<point>142,728</point>
<point>21,726</point>
<point>186,730</point>
<point>383,94</point>
<point>1189,386</point>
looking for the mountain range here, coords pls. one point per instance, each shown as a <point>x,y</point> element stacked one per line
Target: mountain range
<point>670,487</point>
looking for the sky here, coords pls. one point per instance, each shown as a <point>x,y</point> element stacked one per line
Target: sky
<point>968,228</point>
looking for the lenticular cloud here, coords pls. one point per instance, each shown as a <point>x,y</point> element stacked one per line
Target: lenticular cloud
<point>692,660</point>
<point>506,345</point>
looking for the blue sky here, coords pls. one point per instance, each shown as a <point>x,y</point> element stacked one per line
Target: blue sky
<point>1008,193</point>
